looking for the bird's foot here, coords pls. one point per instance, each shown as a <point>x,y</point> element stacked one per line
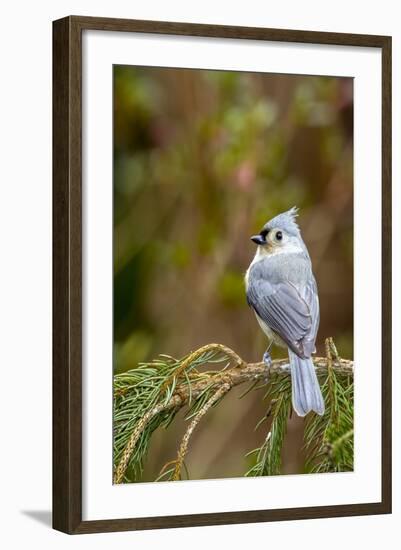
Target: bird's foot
<point>286,368</point>
<point>267,359</point>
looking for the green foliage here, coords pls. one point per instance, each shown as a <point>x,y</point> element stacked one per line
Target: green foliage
<point>328,438</point>
<point>268,456</point>
<point>138,390</point>
<point>329,441</point>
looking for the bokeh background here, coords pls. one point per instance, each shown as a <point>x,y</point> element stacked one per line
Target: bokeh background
<point>202,159</point>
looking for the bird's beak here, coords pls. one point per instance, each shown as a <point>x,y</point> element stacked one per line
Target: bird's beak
<point>259,239</point>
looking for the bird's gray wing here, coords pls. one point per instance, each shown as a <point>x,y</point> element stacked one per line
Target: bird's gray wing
<point>282,307</point>
<point>311,297</point>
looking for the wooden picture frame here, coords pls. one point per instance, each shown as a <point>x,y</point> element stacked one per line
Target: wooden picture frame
<point>67,273</point>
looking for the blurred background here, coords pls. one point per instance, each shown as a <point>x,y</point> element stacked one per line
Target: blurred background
<point>202,159</point>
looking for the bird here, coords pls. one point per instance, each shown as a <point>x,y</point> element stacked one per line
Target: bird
<point>282,291</point>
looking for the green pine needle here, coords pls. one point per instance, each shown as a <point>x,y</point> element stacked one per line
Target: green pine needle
<point>268,455</point>
<point>328,439</point>
<point>138,391</point>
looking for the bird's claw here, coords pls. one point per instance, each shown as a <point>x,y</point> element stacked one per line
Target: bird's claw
<point>267,360</point>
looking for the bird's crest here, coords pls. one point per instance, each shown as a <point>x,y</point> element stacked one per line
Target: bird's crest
<point>285,221</point>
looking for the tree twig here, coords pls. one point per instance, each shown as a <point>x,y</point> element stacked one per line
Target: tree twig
<point>147,417</point>
<point>185,440</point>
<point>197,353</point>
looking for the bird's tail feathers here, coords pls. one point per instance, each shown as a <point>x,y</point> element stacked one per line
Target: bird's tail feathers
<point>306,393</point>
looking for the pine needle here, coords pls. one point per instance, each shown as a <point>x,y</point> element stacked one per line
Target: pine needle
<point>149,397</point>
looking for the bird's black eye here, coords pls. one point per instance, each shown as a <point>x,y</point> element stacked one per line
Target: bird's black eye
<point>279,235</point>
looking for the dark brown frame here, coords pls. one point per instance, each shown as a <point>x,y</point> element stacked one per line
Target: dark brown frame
<point>67,277</point>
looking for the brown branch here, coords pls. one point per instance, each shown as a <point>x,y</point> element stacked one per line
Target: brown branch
<point>330,350</point>
<point>185,440</point>
<point>242,372</point>
<point>144,421</point>
<point>197,353</point>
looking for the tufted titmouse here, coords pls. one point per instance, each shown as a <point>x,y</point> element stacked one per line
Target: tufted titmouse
<point>282,291</point>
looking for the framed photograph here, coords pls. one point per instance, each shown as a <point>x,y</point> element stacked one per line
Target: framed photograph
<point>221,274</point>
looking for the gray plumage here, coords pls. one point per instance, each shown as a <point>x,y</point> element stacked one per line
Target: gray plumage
<point>282,291</point>
<point>286,221</point>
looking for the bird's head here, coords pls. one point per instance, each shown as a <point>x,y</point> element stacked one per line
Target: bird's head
<point>280,234</point>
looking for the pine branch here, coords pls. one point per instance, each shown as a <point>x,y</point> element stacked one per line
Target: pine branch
<point>185,440</point>
<point>149,397</point>
<point>268,456</point>
<point>139,428</point>
<point>329,440</point>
